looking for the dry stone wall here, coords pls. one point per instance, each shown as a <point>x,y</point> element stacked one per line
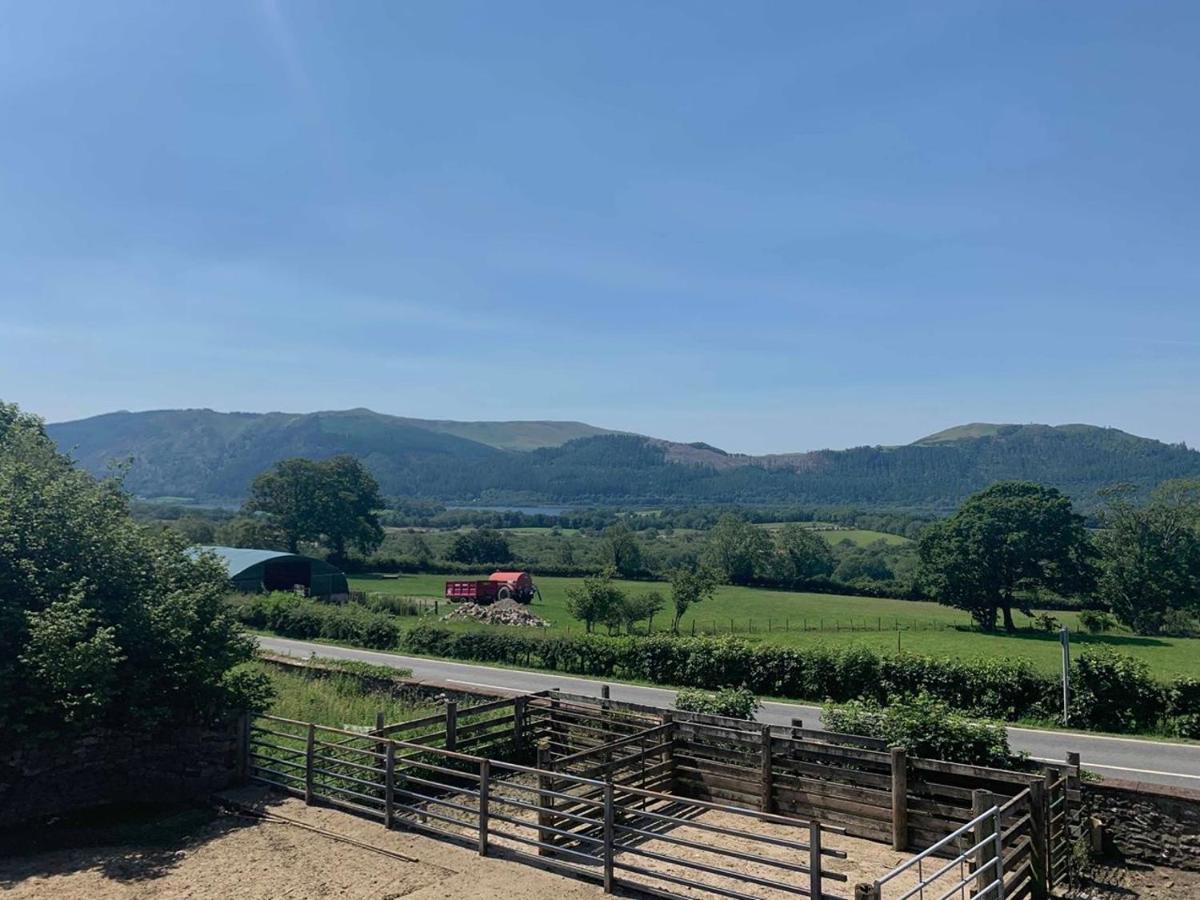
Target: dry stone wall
<point>1147,823</point>
<point>106,767</point>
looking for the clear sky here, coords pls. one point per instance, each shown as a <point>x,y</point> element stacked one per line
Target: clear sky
<point>775,226</point>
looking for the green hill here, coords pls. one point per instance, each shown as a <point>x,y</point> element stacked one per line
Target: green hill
<point>208,455</point>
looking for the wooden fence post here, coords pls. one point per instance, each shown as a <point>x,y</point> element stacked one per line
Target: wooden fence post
<point>814,859</point>
<point>243,747</point>
<point>668,743</point>
<point>484,789</point>
<point>389,786</point>
<point>545,801</point>
<point>766,803</point>
<point>609,829</point>
<point>309,750</point>
<point>604,695</point>
<point>451,724</point>
<point>1038,839</point>
<point>899,798</point>
<point>519,724</point>
<point>981,802</point>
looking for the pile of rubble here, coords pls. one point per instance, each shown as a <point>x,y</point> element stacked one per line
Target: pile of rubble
<point>502,612</point>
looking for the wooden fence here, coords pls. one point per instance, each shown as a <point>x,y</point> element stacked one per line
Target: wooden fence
<point>654,771</point>
<point>616,834</point>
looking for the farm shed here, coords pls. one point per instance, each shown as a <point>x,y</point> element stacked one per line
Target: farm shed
<point>269,570</point>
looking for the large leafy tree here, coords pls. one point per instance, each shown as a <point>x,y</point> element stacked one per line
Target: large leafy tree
<point>481,545</point>
<point>101,621</point>
<point>597,599</point>
<point>690,584</point>
<point>800,555</point>
<point>1003,545</point>
<point>1150,556</point>
<point>737,551</point>
<point>621,549</point>
<point>332,501</point>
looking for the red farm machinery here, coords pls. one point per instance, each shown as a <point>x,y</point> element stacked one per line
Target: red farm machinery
<point>516,586</point>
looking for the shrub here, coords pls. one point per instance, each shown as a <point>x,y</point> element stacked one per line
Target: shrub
<point>925,727</point>
<point>736,703</point>
<point>1114,692</point>
<point>1045,622</point>
<point>1097,621</point>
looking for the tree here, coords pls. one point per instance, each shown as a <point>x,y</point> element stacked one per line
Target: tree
<point>349,497</point>
<point>621,549</point>
<point>689,585</point>
<point>736,550</point>
<point>102,622</point>
<point>331,501</point>
<point>800,555</point>
<point>1004,542</point>
<point>1150,556</point>
<point>480,545</point>
<point>594,600</point>
<point>642,606</point>
<point>251,531</point>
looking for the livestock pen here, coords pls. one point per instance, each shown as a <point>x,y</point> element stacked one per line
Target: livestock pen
<point>680,804</point>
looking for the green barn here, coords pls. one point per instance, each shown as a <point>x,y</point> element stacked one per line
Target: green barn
<point>254,571</point>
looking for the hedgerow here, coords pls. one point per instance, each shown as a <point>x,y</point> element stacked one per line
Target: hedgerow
<point>1112,691</point>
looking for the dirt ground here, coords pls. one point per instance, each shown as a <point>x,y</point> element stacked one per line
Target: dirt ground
<point>201,855</point>
<point>253,860</point>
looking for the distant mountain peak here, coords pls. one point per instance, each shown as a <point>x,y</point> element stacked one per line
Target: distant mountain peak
<point>976,430</point>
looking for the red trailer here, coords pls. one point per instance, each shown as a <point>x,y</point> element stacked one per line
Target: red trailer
<point>517,586</point>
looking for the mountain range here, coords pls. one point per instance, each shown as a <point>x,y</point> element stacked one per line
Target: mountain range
<point>203,455</point>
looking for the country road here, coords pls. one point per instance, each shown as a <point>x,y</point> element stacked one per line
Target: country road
<point>1128,759</point>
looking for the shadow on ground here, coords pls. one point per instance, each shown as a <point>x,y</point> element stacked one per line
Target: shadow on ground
<point>127,844</point>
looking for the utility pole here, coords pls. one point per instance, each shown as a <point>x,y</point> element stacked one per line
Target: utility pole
<point>1065,637</point>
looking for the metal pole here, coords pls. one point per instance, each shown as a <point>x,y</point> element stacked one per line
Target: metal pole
<point>484,796</point>
<point>609,817</point>
<point>1065,637</point>
<point>814,860</point>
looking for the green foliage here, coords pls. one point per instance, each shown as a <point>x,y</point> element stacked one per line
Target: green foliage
<point>332,501</point>
<point>480,545</point>
<point>737,551</point>
<point>689,585</point>
<point>926,727</point>
<point>1096,621</point>
<point>1150,557</point>
<point>1001,545</point>
<point>620,550</point>
<point>800,556</point>
<point>102,622</point>
<point>597,599</point>
<point>1114,692</point>
<point>298,617</point>
<point>736,703</point>
<point>1046,622</point>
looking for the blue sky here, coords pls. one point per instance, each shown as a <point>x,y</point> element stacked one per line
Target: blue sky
<point>770,226</point>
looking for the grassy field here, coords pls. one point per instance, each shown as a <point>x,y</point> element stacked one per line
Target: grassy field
<point>803,619</point>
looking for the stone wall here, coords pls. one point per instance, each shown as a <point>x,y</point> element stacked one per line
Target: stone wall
<point>105,767</point>
<point>1147,822</point>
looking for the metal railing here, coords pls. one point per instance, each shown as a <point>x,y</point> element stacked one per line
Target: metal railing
<point>619,835</point>
<point>980,866</point>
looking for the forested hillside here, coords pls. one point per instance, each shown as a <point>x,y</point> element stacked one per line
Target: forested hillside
<point>207,455</point>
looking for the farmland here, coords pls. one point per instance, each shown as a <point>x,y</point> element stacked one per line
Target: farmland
<point>804,619</point>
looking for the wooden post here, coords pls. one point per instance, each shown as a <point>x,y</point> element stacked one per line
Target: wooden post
<point>545,801</point>
<point>609,842</point>
<point>668,742</point>
<point>766,803</point>
<point>814,859</point>
<point>451,724</point>
<point>309,750</point>
<point>899,799</point>
<point>484,777</point>
<point>519,723</point>
<point>389,786</point>
<point>981,802</point>
<point>604,696</point>
<point>1038,839</point>
<point>243,747</point>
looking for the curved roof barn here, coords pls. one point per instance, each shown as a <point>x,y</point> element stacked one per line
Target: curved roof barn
<point>270,570</point>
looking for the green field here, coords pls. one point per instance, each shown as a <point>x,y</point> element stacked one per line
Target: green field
<point>803,619</point>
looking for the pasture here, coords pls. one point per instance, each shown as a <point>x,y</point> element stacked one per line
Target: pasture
<point>798,619</point>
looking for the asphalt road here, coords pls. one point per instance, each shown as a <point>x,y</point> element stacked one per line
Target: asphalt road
<point>1128,759</point>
